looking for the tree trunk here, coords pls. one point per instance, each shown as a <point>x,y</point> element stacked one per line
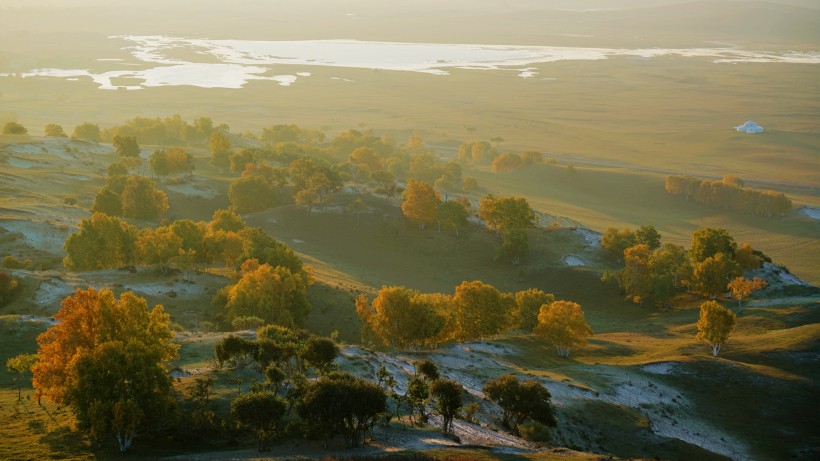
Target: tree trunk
<point>715,350</point>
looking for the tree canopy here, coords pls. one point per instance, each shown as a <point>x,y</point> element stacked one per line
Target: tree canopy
<point>342,403</point>
<point>102,242</point>
<point>715,324</point>
<point>126,146</point>
<point>87,131</point>
<point>274,294</point>
<point>105,358</point>
<point>480,311</point>
<point>420,203</point>
<point>141,200</point>
<point>14,128</point>
<point>563,325</point>
<point>520,401</point>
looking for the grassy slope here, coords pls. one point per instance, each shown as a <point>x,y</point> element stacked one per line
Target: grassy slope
<point>601,198</point>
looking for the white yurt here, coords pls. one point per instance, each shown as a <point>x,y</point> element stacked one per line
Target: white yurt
<point>749,127</point>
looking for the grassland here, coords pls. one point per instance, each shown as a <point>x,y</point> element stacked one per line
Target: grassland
<point>642,381</point>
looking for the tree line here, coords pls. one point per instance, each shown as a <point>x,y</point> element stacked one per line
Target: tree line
<point>405,319</point>
<point>729,194</point>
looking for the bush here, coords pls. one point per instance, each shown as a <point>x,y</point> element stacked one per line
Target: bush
<point>10,262</point>
<point>247,323</point>
<point>534,431</point>
<point>14,128</point>
<point>8,285</point>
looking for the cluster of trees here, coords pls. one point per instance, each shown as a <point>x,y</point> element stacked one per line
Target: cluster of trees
<point>655,272</point>
<point>172,130</point>
<point>104,242</point>
<point>406,319</point>
<point>477,151</point>
<point>510,161</point>
<point>132,196</point>
<point>170,162</point>
<point>106,359</point>
<point>509,217</point>
<point>335,403</point>
<point>729,194</point>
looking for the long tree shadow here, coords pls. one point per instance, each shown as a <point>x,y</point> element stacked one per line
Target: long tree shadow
<point>65,442</point>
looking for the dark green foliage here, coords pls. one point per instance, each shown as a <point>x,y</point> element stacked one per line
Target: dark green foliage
<point>108,202</point>
<point>235,350</point>
<point>320,353</point>
<point>649,236</point>
<point>275,377</point>
<point>261,413</point>
<point>126,146</point>
<point>122,390</point>
<point>418,396</point>
<point>202,389</point>
<point>427,369</point>
<point>267,250</point>
<point>341,403</point>
<point>519,402</point>
<point>514,245</point>
<point>708,242</point>
<point>8,286</point>
<point>447,398</point>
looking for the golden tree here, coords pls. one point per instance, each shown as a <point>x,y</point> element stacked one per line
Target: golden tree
<point>141,200</point>
<point>102,242</point>
<point>274,294</point>
<point>87,320</point>
<point>401,317</point>
<point>529,304</point>
<point>420,203</point>
<point>742,287</point>
<point>715,325</point>
<point>562,323</point>
<point>157,247</point>
<point>479,310</point>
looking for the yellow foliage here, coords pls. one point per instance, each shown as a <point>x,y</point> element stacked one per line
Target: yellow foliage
<point>89,319</point>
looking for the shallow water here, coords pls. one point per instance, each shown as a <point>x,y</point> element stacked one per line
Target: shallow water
<point>241,61</point>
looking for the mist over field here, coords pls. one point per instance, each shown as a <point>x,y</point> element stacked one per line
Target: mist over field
<point>323,229</point>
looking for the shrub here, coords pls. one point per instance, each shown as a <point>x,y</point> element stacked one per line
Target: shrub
<point>249,322</point>
<point>14,128</point>
<point>533,431</point>
<point>8,285</point>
